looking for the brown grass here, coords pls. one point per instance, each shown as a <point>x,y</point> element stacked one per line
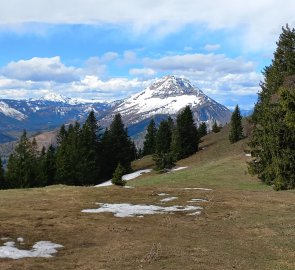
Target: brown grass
<point>245,225</point>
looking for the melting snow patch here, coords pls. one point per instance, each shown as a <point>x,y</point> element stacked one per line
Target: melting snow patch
<point>44,249</point>
<point>20,239</point>
<point>248,155</point>
<point>126,177</point>
<point>178,169</point>
<point>129,210</point>
<point>197,200</point>
<point>162,194</point>
<point>168,199</point>
<point>128,187</point>
<point>194,213</point>
<point>205,189</point>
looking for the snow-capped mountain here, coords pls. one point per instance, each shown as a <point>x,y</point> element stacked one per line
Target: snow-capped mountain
<point>46,113</point>
<point>167,96</point>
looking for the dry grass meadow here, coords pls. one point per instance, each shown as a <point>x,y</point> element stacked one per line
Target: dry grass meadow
<point>244,224</point>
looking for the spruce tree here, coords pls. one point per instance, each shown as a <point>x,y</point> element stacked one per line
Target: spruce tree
<point>202,130</point>
<point>236,128</point>
<point>117,148</point>
<point>215,127</point>
<point>117,176</point>
<point>2,179</point>
<point>150,139</point>
<point>272,141</point>
<point>187,133</point>
<point>22,167</point>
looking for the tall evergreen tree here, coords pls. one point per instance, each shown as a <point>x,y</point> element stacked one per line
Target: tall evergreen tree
<point>117,148</point>
<point>91,148</point>
<point>163,138</point>
<point>272,141</point>
<point>150,139</point>
<point>186,134</point>
<point>22,167</point>
<point>236,128</point>
<point>2,179</point>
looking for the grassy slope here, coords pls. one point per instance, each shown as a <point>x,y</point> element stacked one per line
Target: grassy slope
<point>245,224</point>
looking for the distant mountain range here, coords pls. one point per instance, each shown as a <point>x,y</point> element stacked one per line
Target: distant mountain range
<point>166,96</point>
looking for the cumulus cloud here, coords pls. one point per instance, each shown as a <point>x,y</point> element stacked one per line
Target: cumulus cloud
<point>258,21</point>
<point>145,72</point>
<point>41,69</point>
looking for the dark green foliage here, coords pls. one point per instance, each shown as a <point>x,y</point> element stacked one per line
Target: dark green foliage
<point>163,161</point>
<point>202,130</point>
<point>215,127</point>
<point>2,179</point>
<point>273,139</point>
<point>117,148</point>
<point>23,167</point>
<point>117,176</point>
<point>186,138</point>
<point>163,138</point>
<point>48,166</point>
<point>236,128</point>
<point>150,139</point>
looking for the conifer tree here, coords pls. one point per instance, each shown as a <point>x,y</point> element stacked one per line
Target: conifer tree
<point>236,128</point>
<point>272,141</point>
<point>48,166</point>
<point>187,134</point>
<point>117,148</point>
<point>22,167</point>
<point>2,179</point>
<point>202,130</point>
<point>215,127</point>
<point>117,176</point>
<point>150,139</point>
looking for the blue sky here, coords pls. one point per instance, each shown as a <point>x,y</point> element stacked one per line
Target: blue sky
<point>108,50</point>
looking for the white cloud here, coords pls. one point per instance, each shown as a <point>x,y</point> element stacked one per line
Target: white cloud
<point>200,63</point>
<point>258,22</point>
<point>211,47</point>
<point>41,69</point>
<point>146,72</point>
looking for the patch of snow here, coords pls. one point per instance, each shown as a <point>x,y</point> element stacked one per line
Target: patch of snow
<point>178,169</point>
<point>44,249</point>
<point>136,174</point>
<point>197,200</point>
<point>130,210</point>
<point>169,199</point>
<point>125,177</point>
<point>248,155</point>
<point>4,238</point>
<point>162,194</point>
<point>128,187</point>
<point>205,189</point>
<point>20,239</point>
<point>194,213</point>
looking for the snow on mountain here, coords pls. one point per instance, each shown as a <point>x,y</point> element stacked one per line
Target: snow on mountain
<point>55,98</point>
<point>10,112</point>
<point>167,96</point>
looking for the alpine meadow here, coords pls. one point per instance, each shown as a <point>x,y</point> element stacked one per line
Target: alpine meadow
<point>151,135</point>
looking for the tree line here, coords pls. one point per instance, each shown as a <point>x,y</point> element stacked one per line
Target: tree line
<point>84,155</point>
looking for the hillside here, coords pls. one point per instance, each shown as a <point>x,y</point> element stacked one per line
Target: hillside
<point>243,224</point>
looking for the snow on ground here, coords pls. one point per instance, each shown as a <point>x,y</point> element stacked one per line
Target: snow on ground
<point>130,210</point>
<point>163,194</point>
<point>169,199</point>
<point>248,155</point>
<point>178,169</point>
<point>125,177</point>
<point>205,189</point>
<point>197,200</point>
<point>44,249</point>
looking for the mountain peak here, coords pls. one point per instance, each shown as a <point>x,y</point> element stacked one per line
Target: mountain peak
<point>173,86</point>
<point>55,97</point>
